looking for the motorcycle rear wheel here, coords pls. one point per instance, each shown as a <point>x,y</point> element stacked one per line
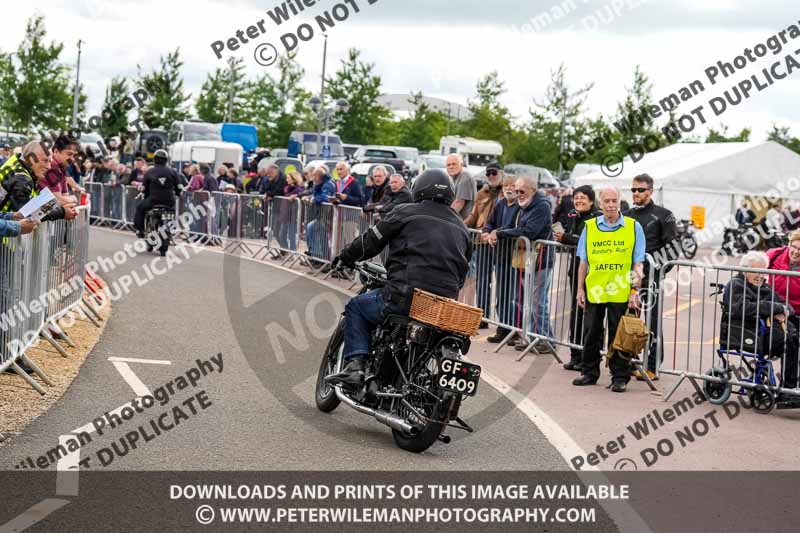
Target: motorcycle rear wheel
<point>438,414</point>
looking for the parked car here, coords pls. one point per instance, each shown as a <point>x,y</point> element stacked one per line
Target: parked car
<point>350,150</point>
<point>409,157</point>
<point>381,154</point>
<point>360,171</point>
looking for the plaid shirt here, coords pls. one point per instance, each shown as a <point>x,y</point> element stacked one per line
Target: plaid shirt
<point>54,179</point>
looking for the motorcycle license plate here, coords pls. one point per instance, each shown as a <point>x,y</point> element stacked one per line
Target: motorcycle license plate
<point>458,376</point>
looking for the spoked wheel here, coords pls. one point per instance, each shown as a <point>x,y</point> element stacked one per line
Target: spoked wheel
<point>324,394</point>
<point>718,393</point>
<point>431,410</point>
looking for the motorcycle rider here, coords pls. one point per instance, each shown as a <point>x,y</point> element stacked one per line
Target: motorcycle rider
<point>161,185</point>
<point>429,249</point>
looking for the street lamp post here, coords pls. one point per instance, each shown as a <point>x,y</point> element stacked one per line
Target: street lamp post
<point>76,93</point>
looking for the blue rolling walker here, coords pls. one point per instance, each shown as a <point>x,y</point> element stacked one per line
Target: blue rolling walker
<point>762,376</point>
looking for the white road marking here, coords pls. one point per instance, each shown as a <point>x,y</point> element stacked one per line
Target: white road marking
<point>134,360</point>
<point>132,379</point>
<point>33,515</point>
<point>67,469</point>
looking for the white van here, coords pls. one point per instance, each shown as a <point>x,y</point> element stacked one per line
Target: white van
<point>201,142</point>
<point>477,153</point>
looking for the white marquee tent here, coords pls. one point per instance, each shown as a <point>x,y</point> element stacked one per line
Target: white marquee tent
<point>715,176</point>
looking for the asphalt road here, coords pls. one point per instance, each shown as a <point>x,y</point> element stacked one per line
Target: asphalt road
<point>254,422</point>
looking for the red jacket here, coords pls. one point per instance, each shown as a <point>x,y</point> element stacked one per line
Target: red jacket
<point>779,260</point>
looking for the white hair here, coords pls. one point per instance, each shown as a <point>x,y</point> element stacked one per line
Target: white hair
<point>458,158</point>
<point>753,257</point>
<point>345,165</point>
<point>531,181</point>
<point>309,169</point>
<point>608,188</point>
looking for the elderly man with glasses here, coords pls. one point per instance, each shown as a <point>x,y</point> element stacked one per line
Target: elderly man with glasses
<point>534,221</point>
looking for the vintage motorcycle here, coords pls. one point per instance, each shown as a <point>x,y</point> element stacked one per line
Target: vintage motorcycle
<point>156,223</point>
<point>415,376</point>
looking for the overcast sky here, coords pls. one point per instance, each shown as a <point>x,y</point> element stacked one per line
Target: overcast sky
<point>441,47</point>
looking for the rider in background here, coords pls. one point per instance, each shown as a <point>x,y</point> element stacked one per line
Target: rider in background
<point>429,249</point>
<point>161,185</point>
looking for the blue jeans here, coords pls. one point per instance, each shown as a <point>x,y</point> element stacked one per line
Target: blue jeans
<point>540,321</point>
<point>361,315</point>
<point>317,239</point>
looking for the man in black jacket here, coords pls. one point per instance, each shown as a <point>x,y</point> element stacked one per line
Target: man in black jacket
<point>583,199</point>
<point>429,249</point>
<point>274,183</point>
<point>748,303</point>
<point>398,194</point>
<point>661,237</point>
<point>161,185</point>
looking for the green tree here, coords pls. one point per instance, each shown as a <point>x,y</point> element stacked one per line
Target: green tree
<point>633,126</point>
<point>490,119</point>
<point>721,136</point>
<point>782,136</point>
<point>114,115</point>
<point>422,130</point>
<point>539,141</point>
<point>357,82</point>
<point>166,102</point>
<point>35,89</point>
<point>212,103</point>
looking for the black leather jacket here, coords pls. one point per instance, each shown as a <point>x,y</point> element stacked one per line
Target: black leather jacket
<point>161,185</point>
<point>429,249</point>
<point>660,228</point>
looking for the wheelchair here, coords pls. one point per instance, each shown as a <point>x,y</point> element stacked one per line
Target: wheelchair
<point>762,395</point>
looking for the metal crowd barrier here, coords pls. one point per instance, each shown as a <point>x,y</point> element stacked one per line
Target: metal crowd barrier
<point>724,344</point>
<point>41,280</point>
<point>320,222</point>
<point>284,224</point>
<point>499,283</point>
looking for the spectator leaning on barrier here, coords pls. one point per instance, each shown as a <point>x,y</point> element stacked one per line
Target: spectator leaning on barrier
<point>319,227</point>
<point>19,179</point>
<point>464,184</point>
<point>583,200</point>
<point>56,178</point>
<point>398,194</point>
<point>611,250</point>
<point>274,183</point>
<point>503,216</point>
<point>755,319</point>
<point>348,189</point>
<point>662,242</point>
<point>534,221</point>
<point>287,212</point>
<point>483,257</point>
<point>12,225</point>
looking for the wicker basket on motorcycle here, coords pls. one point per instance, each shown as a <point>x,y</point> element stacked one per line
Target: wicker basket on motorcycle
<point>444,313</point>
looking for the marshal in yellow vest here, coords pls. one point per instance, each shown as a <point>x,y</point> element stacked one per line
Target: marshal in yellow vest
<point>610,255</point>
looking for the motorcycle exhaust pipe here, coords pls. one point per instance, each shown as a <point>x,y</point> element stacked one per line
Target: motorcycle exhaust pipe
<point>384,417</point>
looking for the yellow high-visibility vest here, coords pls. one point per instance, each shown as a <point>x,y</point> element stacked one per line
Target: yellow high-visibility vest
<point>610,255</point>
